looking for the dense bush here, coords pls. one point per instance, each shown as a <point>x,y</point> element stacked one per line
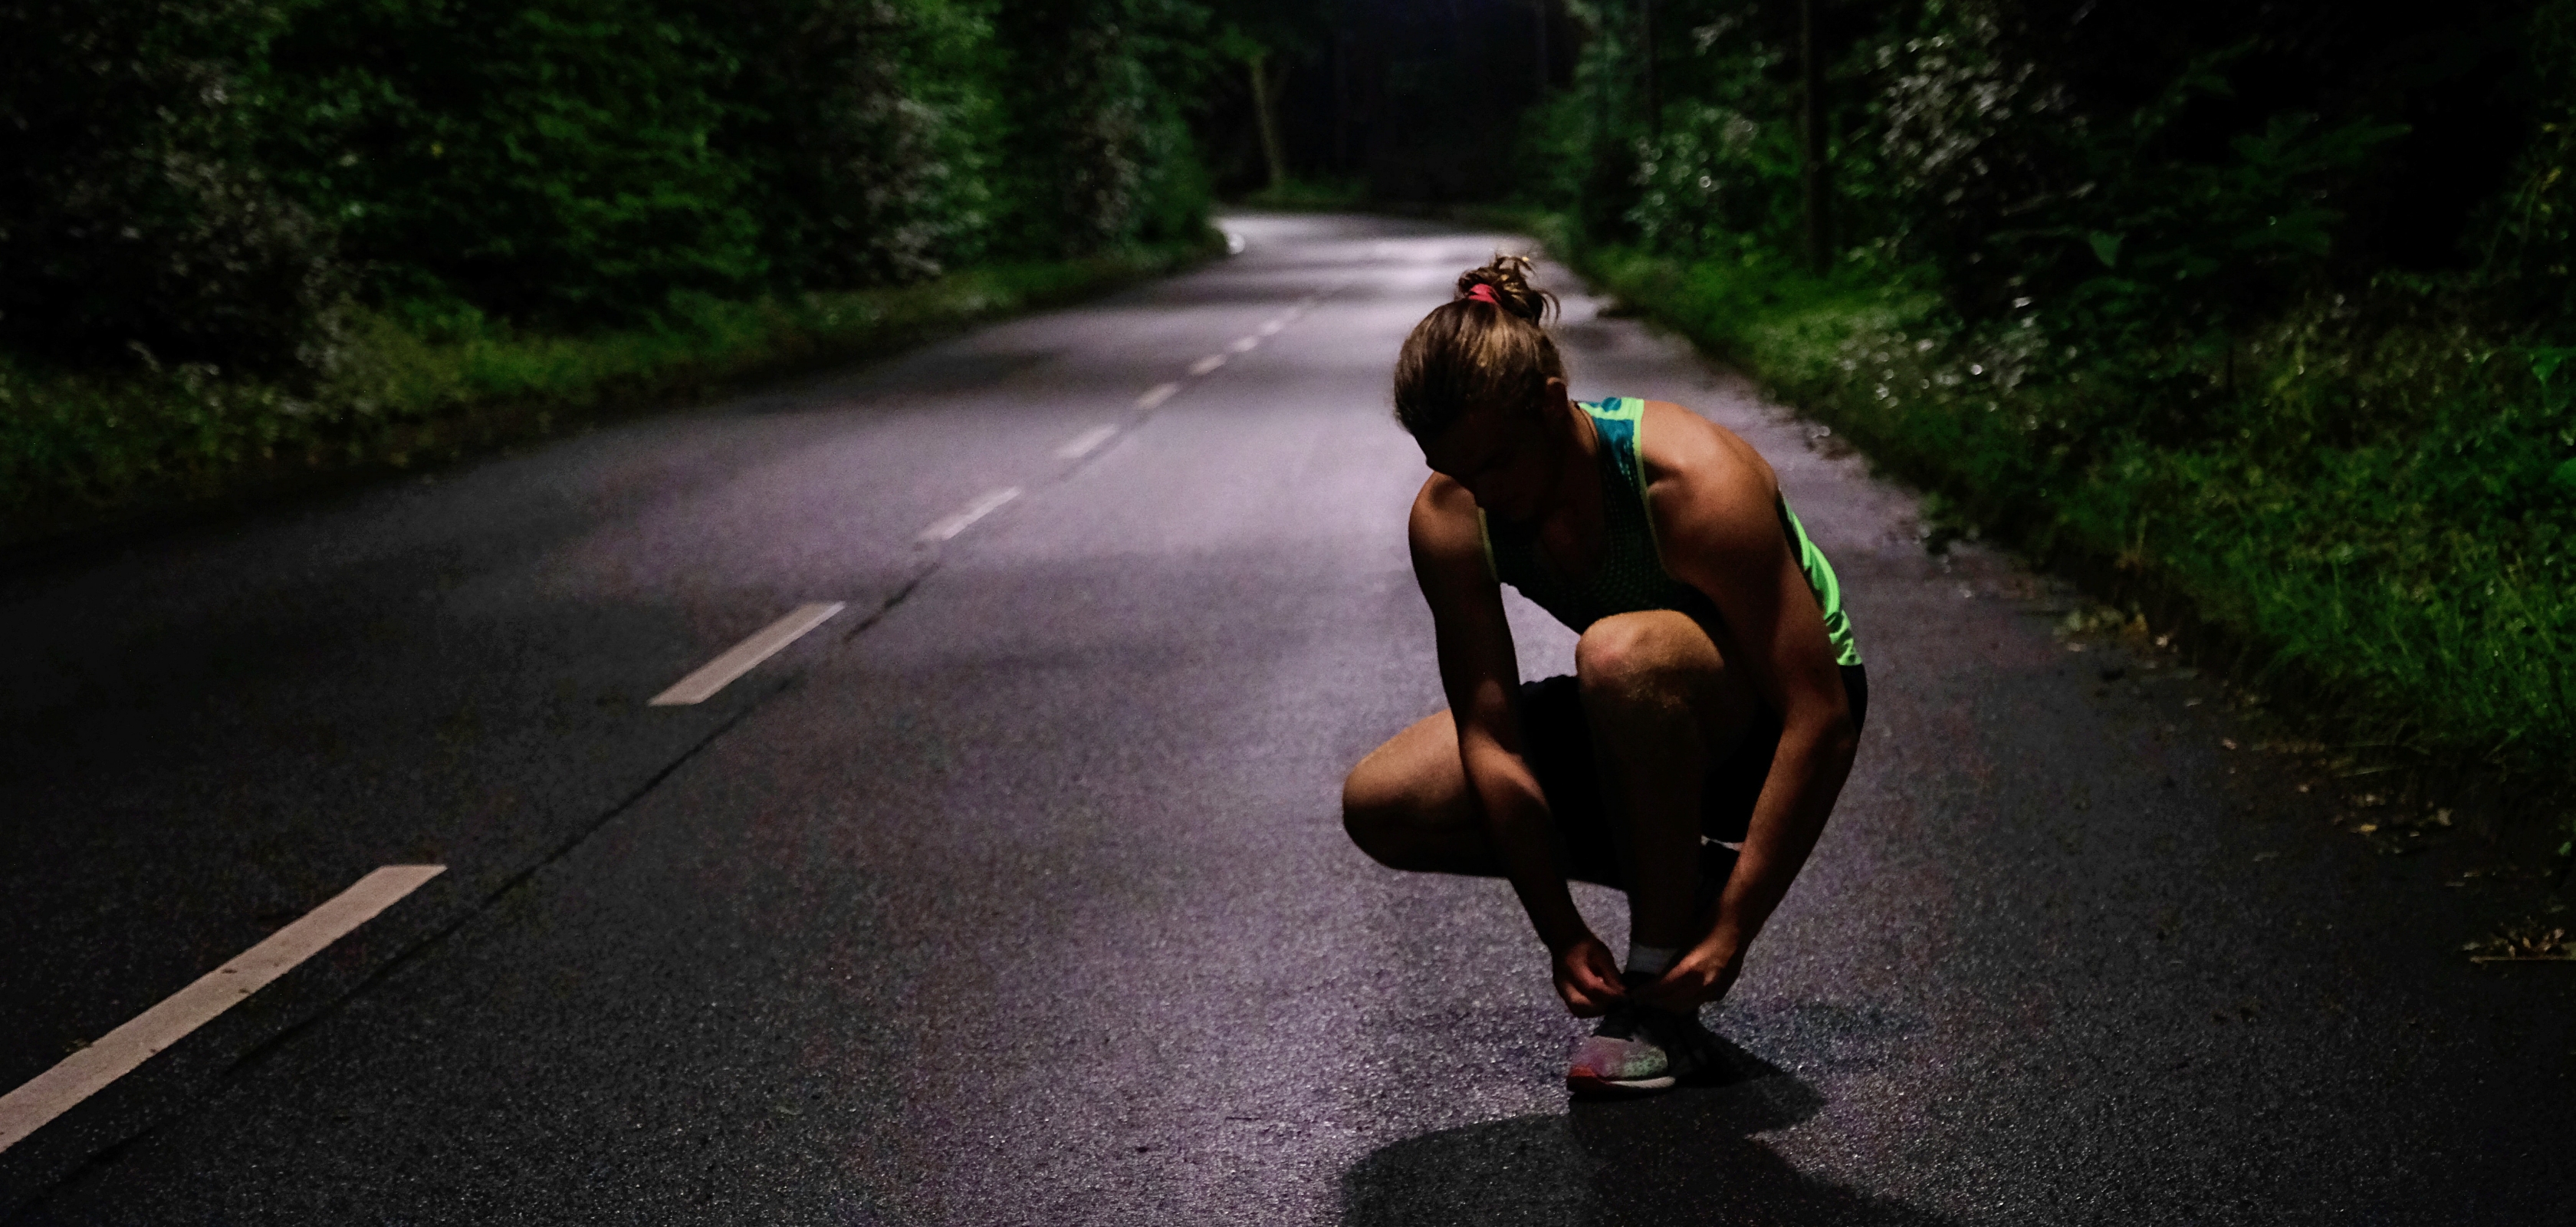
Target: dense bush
<point>867,130</point>
<point>559,162</point>
<point>2261,304</point>
<point>133,214</point>
<point>249,241</point>
<point>1098,155</point>
<point>210,180</point>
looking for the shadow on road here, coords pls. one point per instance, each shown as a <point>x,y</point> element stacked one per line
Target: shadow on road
<point>1681,1157</point>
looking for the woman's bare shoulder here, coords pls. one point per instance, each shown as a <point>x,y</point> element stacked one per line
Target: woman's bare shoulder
<point>1679,447</point>
<point>1444,515</point>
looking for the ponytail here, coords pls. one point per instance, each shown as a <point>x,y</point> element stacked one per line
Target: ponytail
<point>1487,346</point>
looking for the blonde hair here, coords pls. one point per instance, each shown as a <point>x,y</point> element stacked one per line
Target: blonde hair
<point>1470,351</point>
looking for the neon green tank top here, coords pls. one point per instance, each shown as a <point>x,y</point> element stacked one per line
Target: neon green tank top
<point>1631,576</point>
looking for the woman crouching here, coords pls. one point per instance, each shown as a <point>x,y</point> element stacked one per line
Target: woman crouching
<point>1693,756</point>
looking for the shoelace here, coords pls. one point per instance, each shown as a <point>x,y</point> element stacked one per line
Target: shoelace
<point>1622,1022</point>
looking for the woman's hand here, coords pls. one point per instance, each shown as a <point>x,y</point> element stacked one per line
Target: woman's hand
<point>1701,975</point>
<point>1587,977</point>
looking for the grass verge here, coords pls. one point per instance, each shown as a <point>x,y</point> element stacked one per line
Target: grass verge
<point>1310,196</point>
<point>85,452</point>
<point>2373,528</point>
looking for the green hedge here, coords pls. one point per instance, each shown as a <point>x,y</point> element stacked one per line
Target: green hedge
<point>2422,585</point>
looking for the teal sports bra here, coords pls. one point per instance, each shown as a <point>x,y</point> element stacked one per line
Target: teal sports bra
<point>1631,576</point>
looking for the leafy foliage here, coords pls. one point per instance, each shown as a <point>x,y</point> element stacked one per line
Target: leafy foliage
<point>558,162</point>
<point>215,181</point>
<point>1097,155</point>
<point>255,237</point>
<point>132,216</point>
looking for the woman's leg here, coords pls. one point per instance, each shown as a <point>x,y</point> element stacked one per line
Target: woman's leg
<point>1406,805</point>
<point>1662,707</point>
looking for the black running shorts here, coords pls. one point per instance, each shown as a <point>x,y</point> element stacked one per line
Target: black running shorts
<point>1558,744</point>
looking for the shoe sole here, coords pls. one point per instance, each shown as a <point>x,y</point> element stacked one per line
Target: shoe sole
<point>1586,1084</point>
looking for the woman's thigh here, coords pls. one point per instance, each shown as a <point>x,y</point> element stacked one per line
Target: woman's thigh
<point>1407,804</point>
<point>1412,784</point>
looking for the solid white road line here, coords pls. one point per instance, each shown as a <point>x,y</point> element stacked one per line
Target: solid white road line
<point>1245,345</point>
<point>1084,444</point>
<point>1162,392</point>
<point>972,512</point>
<point>719,673</point>
<point>80,1075</point>
<point>1206,364</point>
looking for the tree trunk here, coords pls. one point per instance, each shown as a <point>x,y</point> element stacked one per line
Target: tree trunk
<point>1815,186</point>
<point>1654,95</point>
<point>1538,39</point>
<point>1341,103</point>
<point>1265,105</point>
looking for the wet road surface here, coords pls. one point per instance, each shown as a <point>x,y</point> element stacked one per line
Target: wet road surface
<point>1015,892</point>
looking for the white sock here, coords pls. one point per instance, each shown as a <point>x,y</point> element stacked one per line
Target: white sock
<point>1651,960</point>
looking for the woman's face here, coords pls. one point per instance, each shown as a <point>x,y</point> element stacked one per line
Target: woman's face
<point>1509,458</point>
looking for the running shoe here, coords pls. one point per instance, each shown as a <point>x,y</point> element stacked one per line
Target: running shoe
<point>1639,1049</point>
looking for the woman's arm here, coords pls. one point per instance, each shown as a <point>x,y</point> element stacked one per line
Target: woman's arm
<point>1715,507</point>
<point>1481,676</point>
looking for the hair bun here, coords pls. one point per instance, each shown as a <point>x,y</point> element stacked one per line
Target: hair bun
<point>1509,277</point>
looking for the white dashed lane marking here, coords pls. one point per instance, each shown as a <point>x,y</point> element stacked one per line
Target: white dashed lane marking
<point>716,674</point>
<point>965,518</point>
<point>82,1074</point>
<point>1084,444</point>
<point>1162,392</point>
<point>1206,364</point>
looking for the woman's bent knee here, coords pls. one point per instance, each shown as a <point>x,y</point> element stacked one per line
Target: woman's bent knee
<point>1405,805</point>
<point>1388,815</point>
<point>1656,652</point>
<point>1359,804</point>
<point>1371,809</point>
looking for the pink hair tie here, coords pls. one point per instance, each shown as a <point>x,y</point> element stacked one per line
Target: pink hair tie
<point>1483,293</point>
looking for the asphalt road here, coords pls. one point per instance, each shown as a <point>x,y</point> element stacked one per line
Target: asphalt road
<point>1017,894</point>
